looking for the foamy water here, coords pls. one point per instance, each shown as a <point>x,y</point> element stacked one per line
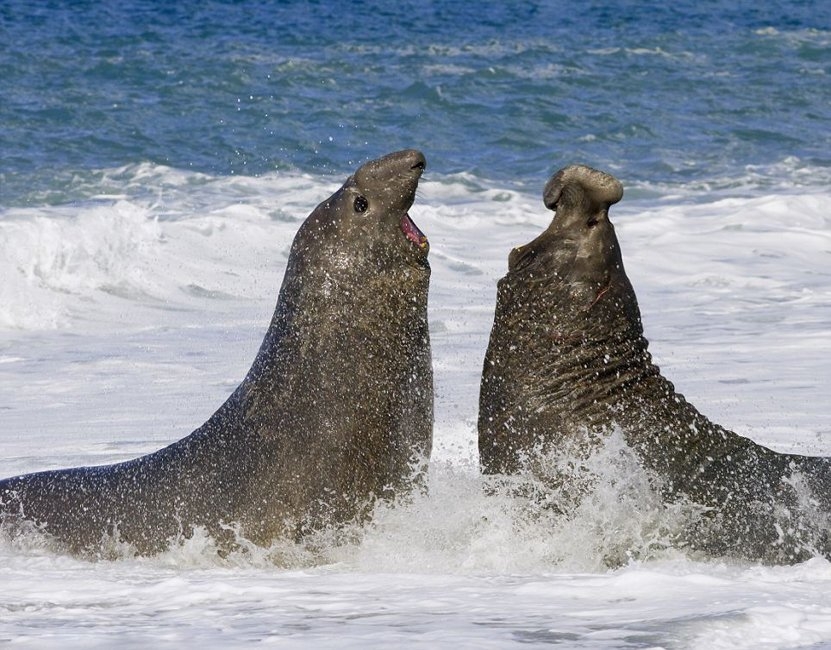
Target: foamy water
<point>128,316</point>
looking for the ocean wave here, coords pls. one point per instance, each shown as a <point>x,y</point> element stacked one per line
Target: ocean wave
<point>51,254</point>
<point>812,36</point>
<point>169,238</point>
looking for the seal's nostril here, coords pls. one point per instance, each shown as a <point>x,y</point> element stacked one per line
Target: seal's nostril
<point>419,165</point>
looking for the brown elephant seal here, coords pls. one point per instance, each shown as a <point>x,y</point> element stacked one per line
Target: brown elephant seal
<point>335,412</point>
<point>567,363</point>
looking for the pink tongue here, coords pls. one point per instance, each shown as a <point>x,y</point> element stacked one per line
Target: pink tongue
<point>412,232</point>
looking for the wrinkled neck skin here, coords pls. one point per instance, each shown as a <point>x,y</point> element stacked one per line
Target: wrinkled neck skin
<point>567,338</point>
<point>553,363</point>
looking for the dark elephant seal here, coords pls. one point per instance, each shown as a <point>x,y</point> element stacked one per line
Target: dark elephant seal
<point>567,362</point>
<point>335,412</point>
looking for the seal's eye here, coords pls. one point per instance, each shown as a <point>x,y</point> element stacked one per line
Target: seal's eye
<point>361,204</point>
<point>591,223</point>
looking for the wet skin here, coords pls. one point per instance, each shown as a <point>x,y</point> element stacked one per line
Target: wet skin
<point>335,412</point>
<point>567,362</point>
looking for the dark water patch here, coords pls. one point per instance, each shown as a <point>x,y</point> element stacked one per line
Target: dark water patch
<point>504,92</point>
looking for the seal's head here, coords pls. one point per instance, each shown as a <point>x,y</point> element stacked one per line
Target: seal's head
<point>577,258</point>
<point>367,219</point>
<point>386,187</point>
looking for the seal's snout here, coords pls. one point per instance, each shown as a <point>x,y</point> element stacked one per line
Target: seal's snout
<point>390,172</point>
<point>412,160</point>
<point>580,185</point>
<point>418,163</point>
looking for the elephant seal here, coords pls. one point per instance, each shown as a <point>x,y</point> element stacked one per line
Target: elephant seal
<point>335,412</point>
<point>567,363</point>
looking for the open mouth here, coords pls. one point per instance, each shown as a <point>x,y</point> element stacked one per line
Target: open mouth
<point>412,232</point>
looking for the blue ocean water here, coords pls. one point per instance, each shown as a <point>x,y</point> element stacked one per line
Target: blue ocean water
<point>717,93</point>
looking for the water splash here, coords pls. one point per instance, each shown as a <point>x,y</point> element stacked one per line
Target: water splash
<point>603,511</point>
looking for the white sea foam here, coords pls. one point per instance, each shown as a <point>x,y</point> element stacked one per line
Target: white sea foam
<point>125,319</point>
